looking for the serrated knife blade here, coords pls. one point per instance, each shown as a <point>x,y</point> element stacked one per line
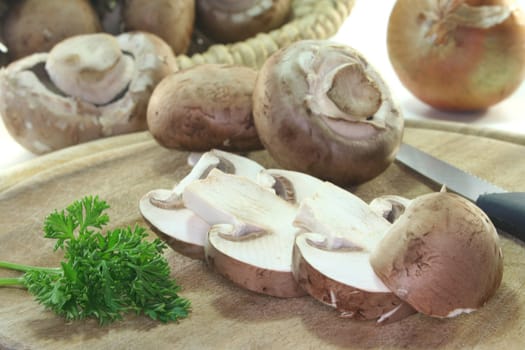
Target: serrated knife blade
<point>506,209</point>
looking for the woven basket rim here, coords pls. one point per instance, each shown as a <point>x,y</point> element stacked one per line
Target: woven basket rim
<point>311,19</point>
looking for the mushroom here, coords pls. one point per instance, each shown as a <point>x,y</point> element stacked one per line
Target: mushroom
<point>293,186</point>
<point>442,256</point>
<point>391,207</point>
<point>203,107</point>
<point>331,255</point>
<point>231,20</point>
<point>171,20</point>
<point>321,108</point>
<point>86,87</point>
<point>34,26</point>
<point>185,231</point>
<point>251,236</point>
<point>181,228</point>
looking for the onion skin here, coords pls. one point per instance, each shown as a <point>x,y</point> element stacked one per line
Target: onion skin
<point>453,66</point>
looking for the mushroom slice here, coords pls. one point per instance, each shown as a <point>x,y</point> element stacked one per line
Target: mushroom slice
<point>391,207</point>
<point>331,255</point>
<point>180,227</point>
<point>442,256</point>
<point>89,86</point>
<point>252,234</point>
<point>292,186</point>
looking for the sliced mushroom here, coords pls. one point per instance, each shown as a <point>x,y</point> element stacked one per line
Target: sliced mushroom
<point>331,255</point>
<point>251,238</point>
<point>442,256</point>
<point>391,207</point>
<point>87,87</point>
<point>181,228</point>
<point>292,186</point>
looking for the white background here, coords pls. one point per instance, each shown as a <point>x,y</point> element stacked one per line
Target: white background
<point>365,30</point>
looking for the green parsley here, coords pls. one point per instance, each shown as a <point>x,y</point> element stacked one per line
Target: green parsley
<point>102,275</point>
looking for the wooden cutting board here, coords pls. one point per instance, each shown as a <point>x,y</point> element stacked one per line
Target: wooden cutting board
<point>122,169</point>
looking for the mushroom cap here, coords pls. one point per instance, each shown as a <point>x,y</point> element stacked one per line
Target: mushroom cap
<point>171,20</point>
<point>203,107</point>
<point>442,256</point>
<point>43,118</point>
<point>35,26</point>
<point>321,108</point>
<point>232,20</point>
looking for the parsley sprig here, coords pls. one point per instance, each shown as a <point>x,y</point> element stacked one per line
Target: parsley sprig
<point>102,275</point>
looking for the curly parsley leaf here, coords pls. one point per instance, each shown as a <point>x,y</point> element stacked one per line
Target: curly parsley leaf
<point>106,275</point>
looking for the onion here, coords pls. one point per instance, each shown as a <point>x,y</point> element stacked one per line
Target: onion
<point>458,55</point>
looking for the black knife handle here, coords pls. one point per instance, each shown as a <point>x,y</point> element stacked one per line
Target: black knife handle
<point>506,210</point>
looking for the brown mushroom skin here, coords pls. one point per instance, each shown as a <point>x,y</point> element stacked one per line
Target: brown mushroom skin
<point>204,107</point>
<point>43,119</point>
<point>229,21</point>
<point>350,302</point>
<point>33,26</point>
<point>301,139</point>
<point>281,284</point>
<point>441,256</point>
<point>171,20</point>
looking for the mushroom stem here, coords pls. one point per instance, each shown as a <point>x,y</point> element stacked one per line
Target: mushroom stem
<point>354,92</point>
<point>215,159</point>
<point>345,220</point>
<point>90,67</point>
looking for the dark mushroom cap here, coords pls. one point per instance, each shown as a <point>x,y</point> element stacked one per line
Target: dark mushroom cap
<point>203,107</point>
<point>233,20</point>
<point>33,26</point>
<point>320,108</point>
<point>442,256</point>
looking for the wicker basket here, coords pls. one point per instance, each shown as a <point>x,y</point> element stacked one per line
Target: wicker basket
<point>310,19</point>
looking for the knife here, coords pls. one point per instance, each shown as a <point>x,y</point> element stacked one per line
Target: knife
<point>505,209</point>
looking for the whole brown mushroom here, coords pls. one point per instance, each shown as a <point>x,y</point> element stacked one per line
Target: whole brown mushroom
<point>33,26</point>
<point>203,107</point>
<point>87,87</point>
<point>322,109</point>
<point>232,20</point>
<point>171,20</point>
<point>442,256</point>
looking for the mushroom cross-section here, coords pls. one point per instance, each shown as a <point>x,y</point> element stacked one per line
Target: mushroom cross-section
<point>251,238</point>
<point>180,227</point>
<point>331,255</point>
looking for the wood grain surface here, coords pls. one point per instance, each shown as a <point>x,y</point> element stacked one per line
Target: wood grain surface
<point>122,169</point>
